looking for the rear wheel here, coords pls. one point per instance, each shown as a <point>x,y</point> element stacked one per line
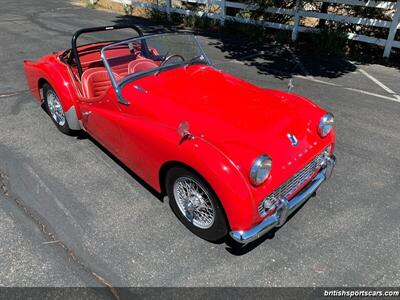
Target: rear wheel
<point>55,110</point>
<point>196,205</point>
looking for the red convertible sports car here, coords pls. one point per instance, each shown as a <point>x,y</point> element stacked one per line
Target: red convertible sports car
<point>234,159</point>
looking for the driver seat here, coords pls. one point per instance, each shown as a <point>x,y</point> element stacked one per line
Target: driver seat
<point>96,81</point>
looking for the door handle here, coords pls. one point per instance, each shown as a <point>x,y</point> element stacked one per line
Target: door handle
<point>86,113</point>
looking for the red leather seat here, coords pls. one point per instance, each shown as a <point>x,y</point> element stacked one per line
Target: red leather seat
<point>140,65</point>
<point>96,81</point>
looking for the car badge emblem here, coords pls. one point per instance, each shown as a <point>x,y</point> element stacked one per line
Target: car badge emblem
<point>293,140</point>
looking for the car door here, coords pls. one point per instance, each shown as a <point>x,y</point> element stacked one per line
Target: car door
<point>142,136</point>
<point>100,120</point>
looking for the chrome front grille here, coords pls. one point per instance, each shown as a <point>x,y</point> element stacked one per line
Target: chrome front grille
<point>290,186</point>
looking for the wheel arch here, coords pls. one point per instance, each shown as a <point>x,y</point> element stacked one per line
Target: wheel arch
<point>41,82</point>
<point>65,95</point>
<point>221,175</point>
<point>170,165</point>
<point>178,164</point>
<point>51,71</point>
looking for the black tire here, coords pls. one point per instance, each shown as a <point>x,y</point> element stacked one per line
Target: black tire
<point>219,228</point>
<point>62,126</point>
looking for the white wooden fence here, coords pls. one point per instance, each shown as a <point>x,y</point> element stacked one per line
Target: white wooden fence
<point>298,12</point>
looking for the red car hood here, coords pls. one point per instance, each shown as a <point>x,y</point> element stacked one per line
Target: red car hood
<point>242,120</point>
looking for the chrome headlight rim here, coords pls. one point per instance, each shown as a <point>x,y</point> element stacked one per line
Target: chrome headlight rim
<point>260,170</point>
<point>326,124</point>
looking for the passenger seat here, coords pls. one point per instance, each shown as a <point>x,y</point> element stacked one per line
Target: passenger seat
<point>140,65</point>
<point>96,81</point>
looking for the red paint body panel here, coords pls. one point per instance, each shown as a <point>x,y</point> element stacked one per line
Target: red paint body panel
<point>232,120</point>
<point>241,120</point>
<point>50,69</point>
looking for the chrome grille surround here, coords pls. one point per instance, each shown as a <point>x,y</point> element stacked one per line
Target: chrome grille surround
<point>290,186</point>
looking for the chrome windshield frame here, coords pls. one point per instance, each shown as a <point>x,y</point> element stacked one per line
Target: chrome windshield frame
<point>118,86</point>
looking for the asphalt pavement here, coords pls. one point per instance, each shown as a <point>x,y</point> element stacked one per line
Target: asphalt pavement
<point>71,215</point>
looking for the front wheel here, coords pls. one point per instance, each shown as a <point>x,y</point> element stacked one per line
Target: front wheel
<point>55,110</point>
<point>196,205</point>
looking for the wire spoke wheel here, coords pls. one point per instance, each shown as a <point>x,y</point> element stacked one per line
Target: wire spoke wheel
<point>194,202</point>
<point>55,108</point>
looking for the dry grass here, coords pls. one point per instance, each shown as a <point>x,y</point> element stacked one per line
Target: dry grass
<point>111,6</point>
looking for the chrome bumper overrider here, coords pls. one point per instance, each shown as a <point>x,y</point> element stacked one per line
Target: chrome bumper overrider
<point>285,208</point>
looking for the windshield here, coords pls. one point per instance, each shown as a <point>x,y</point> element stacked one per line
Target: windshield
<point>130,59</point>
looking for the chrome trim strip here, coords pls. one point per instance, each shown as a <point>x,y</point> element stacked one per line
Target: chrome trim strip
<point>291,186</point>
<point>286,208</point>
<point>72,119</point>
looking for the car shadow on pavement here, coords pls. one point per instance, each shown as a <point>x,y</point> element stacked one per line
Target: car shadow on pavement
<point>82,135</point>
<point>281,61</point>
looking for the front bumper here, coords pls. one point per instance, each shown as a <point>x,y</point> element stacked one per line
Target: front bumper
<point>285,208</point>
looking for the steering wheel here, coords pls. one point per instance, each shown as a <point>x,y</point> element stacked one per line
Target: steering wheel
<point>170,57</point>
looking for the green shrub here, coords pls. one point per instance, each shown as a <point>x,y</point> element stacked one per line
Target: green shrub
<point>330,41</point>
<point>250,32</point>
<point>128,9</point>
<point>282,37</point>
<point>177,19</point>
<point>90,4</point>
<point>202,22</point>
<point>157,16</point>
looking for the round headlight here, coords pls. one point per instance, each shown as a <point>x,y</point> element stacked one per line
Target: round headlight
<point>260,169</point>
<point>325,124</point>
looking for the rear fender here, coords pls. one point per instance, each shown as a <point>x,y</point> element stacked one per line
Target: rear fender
<point>51,70</point>
<point>33,75</point>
